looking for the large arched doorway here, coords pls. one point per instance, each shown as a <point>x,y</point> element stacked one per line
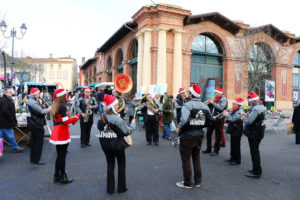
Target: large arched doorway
<point>206,59</point>
<point>133,65</point>
<point>260,64</point>
<point>296,77</point>
<point>109,68</point>
<point>119,59</point>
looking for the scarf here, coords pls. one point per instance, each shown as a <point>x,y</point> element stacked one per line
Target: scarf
<point>234,110</point>
<point>217,99</point>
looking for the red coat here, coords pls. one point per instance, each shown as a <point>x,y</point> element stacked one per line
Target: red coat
<point>60,133</point>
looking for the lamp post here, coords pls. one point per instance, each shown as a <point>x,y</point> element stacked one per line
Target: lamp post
<point>13,35</point>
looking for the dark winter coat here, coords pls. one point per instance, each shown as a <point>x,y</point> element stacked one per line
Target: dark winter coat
<point>167,112</point>
<point>7,113</point>
<point>296,118</point>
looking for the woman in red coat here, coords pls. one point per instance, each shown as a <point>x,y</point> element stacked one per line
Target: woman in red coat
<point>60,135</point>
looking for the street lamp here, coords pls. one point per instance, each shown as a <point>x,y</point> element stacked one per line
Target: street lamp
<point>13,35</point>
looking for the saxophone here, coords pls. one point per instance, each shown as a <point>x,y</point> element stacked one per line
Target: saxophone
<point>87,113</point>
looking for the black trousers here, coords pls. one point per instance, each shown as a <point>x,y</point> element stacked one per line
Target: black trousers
<point>235,148</point>
<point>152,129</point>
<point>217,128</point>
<point>255,155</point>
<point>130,119</point>
<point>37,141</point>
<point>121,159</point>
<point>85,133</point>
<point>60,163</point>
<point>188,149</point>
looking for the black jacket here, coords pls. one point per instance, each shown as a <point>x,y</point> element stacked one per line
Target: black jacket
<point>37,114</point>
<point>7,113</point>
<point>296,118</point>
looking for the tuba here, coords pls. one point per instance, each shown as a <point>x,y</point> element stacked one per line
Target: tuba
<point>151,106</point>
<point>123,84</point>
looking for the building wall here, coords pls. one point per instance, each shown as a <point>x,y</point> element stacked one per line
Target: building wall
<point>154,19</point>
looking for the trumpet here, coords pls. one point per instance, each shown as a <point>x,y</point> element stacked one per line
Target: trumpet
<point>207,101</point>
<point>220,114</point>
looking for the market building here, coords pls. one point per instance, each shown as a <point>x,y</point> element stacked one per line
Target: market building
<point>167,44</point>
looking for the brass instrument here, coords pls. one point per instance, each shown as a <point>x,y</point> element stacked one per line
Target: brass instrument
<point>121,104</point>
<point>207,101</point>
<point>87,113</point>
<point>151,106</point>
<point>123,84</point>
<point>220,114</point>
<point>186,99</point>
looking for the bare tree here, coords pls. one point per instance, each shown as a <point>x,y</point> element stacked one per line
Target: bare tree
<point>255,54</point>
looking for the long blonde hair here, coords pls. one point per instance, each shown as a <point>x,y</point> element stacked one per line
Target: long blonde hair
<point>55,107</point>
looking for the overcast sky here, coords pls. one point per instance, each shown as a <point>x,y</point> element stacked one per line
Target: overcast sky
<point>79,27</point>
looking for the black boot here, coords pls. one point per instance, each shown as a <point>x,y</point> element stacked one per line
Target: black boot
<point>206,151</point>
<point>65,180</point>
<point>56,178</point>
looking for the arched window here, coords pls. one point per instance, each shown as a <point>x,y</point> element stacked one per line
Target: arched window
<point>119,61</point>
<point>206,59</point>
<point>259,67</point>
<point>296,72</point>
<point>109,68</point>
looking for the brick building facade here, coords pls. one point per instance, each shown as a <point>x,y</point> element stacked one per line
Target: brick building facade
<point>166,44</point>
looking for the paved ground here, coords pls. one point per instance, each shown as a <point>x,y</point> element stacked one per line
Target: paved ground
<point>152,172</point>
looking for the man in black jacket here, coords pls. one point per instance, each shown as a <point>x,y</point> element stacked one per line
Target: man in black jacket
<point>36,123</point>
<point>179,101</point>
<point>8,119</point>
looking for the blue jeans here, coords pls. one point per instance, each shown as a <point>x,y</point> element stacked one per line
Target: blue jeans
<point>166,132</point>
<point>10,136</point>
<point>101,110</point>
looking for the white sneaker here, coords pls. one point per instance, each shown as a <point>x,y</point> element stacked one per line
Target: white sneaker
<point>197,185</point>
<point>180,184</point>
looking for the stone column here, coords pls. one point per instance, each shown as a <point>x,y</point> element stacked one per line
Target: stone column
<point>140,36</point>
<point>147,59</point>
<point>162,55</point>
<point>177,61</point>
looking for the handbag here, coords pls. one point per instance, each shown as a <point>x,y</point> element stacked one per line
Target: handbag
<point>103,121</point>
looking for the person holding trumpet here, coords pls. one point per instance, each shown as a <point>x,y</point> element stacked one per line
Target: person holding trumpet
<point>235,130</point>
<point>254,129</point>
<point>217,106</point>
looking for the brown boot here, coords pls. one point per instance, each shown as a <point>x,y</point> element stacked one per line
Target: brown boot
<point>18,150</point>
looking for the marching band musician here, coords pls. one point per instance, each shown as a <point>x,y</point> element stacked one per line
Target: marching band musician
<point>112,131</point>
<point>179,101</point>
<point>235,129</point>
<point>60,135</point>
<point>84,103</point>
<point>216,106</point>
<point>254,130</point>
<point>151,122</point>
<point>36,123</point>
<point>195,115</point>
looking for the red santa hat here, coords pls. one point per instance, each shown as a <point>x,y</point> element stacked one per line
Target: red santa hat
<point>59,93</point>
<point>195,90</point>
<point>34,91</point>
<point>87,89</point>
<point>181,90</point>
<point>238,101</point>
<point>110,101</point>
<point>252,96</point>
<point>219,90</point>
